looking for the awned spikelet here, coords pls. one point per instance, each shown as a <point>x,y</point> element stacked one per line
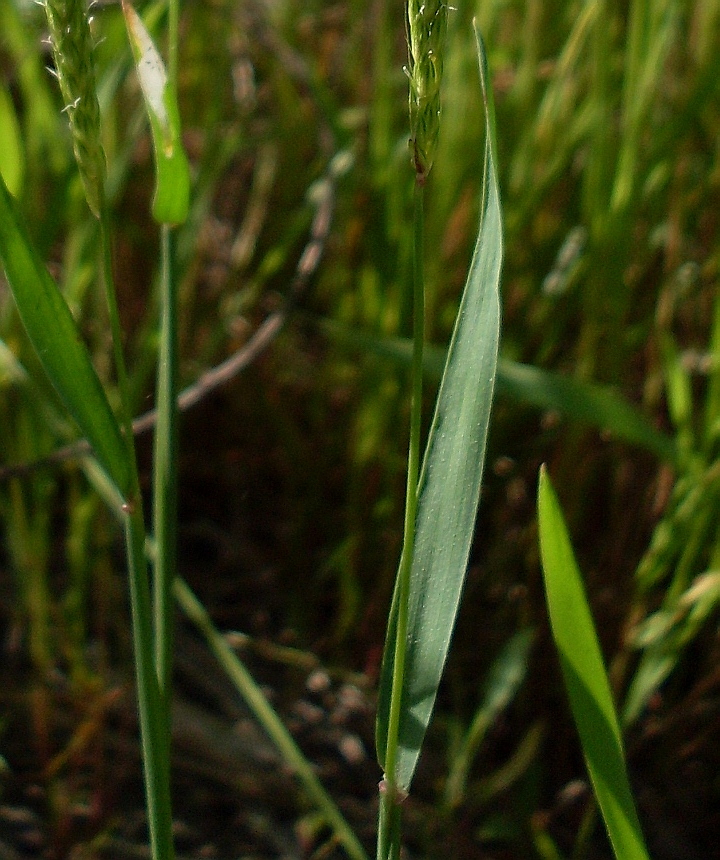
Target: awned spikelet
<point>427,26</point>
<point>72,49</point>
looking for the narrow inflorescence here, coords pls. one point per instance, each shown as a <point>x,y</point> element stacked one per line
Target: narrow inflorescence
<point>427,26</point>
<point>73,52</point>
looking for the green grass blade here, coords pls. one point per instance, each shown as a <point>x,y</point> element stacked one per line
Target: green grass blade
<point>503,681</point>
<point>52,331</point>
<point>268,718</point>
<point>450,481</point>
<point>165,477</point>
<point>599,406</point>
<point>585,679</point>
<point>172,189</point>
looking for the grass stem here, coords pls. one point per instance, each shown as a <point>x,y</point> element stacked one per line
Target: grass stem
<point>116,333</point>
<point>165,475</point>
<point>390,795</point>
<point>152,707</point>
<point>154,737</point>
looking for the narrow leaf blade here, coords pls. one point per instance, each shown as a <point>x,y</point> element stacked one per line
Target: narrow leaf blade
<point>450,480</point>
<point>585,679</point>
<point>502,683</point>
<point>172,187</point>
<point>56,339</point>
<point>599,406</point>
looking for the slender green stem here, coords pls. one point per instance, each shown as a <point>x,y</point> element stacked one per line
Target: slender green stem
<point>117,339</point>
<point>154,724</point>
<point>154,735</point>
<point>389,823</point>
<point>388,844</point>
<point>166,434</point>
<point>165,475</point>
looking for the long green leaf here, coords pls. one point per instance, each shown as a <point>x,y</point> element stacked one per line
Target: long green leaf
<point>597,405</point>
<point>57,341</point>
<point>502,683</point>
<point>586,680</point>
<point>450,480</point>
<point>172,188</point>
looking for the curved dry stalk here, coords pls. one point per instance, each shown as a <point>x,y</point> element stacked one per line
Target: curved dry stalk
<point>268,330</point>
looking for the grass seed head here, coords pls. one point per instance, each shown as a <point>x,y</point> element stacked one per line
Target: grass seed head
<point>427,26</point>
<point>73,52</point>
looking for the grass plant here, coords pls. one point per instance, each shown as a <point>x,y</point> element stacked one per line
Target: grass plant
<point>441,501</point>
<point>307,206</point>
<point>51,328</point>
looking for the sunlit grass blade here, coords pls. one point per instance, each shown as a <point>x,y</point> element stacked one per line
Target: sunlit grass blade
<point>172,189</point>
<point>57,341</point>
<point>449,484</point>
<point>586,679</point>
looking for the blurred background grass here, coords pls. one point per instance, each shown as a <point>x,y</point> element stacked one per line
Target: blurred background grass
<point>292,475</point>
